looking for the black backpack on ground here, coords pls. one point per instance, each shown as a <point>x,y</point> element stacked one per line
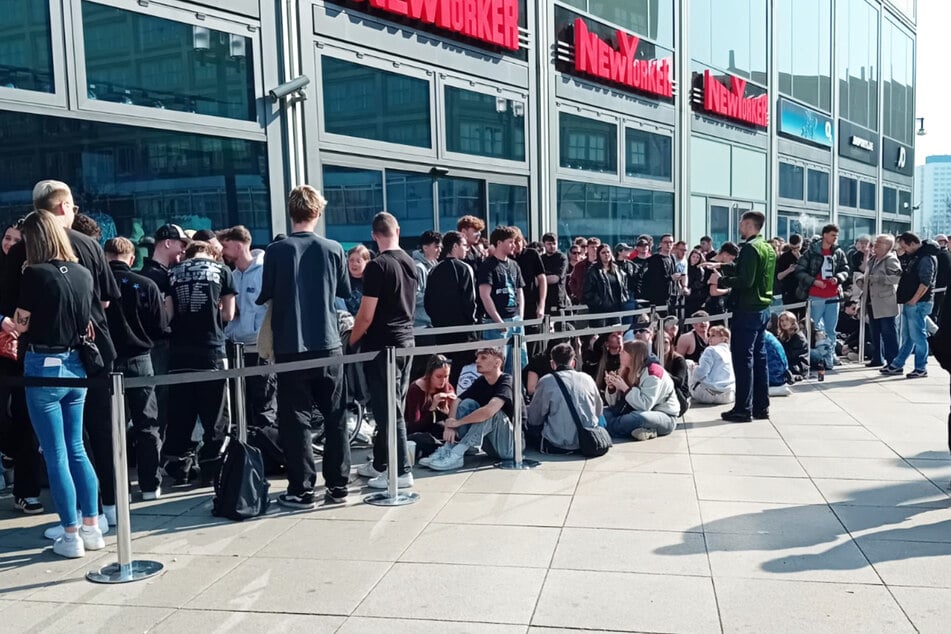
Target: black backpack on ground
<point>241,488</point>
<point>593,441</point>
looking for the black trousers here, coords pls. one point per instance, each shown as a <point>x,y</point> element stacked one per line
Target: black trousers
<point>17,439</point>
<point>260,394</point>
<point>298,395</point>
<point>142,408</point>
<point>189,402</point>
<point>376,383</point>
<point>97,429</point>
<point>160,361</point>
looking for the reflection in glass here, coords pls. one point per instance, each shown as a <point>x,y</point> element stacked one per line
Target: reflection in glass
<point>653,19</point>
<point>142,60</point>
<point>803,43</point>
<point>587,144</point>
<point>508,205</point>
<point>848,192</point>
<point>614,214</point>
<point>137,179</point>
<point>648,155</point>
<point>484,125</point>
<point>806,225</point>
<point>851,227</point>
<point>904,202</point>
<point>409,197</point>
<point>867,196</point>
<point>26,59</point>
<point>818,190</point>
<point>354,196</point>
<point>790,181</point>
<point>889,200</point>
<point>368,103</point>
<point>895,228</point>
<point>898,55</point>
<point>730,35</point>
<point>857,63</point>
<point>460,197</point>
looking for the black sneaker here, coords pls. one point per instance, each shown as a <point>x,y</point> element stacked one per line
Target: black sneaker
<point>917,374</point>
<point>304,502</point>
<point>30,506</point>
<point>336,495</point>
<point>763,415</point>
<point>735,417</point>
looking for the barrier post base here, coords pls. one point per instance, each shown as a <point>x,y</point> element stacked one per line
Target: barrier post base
<point>118,573</point>
<point>384,499</point>
<point>524,465</point>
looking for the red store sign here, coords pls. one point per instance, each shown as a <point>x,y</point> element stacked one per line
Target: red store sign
<point>595,57</point>
<point>492,21</point>
<point>731,102</point>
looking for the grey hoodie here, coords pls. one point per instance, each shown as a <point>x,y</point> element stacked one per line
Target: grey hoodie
<point>248,316</point>
<point>423,267</point>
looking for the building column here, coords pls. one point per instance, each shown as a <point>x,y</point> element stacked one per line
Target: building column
<point>682,129</point>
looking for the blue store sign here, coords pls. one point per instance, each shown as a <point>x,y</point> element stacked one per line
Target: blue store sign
<point>805,124</point>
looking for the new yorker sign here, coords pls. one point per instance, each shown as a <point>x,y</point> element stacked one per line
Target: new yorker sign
<point>730,101</point>
<point>597,58</point>
<point>491,21</point>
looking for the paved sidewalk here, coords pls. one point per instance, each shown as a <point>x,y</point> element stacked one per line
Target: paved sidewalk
<point>832,516</point>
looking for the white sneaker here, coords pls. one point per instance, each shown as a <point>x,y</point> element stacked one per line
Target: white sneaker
<point>642,433</point>
<point>450,461</point>
<point>71,547</point>
<point>110,513</point>
<point>404,481</point>
<point>366,470</point>
<point>441,451</point>
<point>55,532</point>
<point>148,496</point>
<point>91,537</point>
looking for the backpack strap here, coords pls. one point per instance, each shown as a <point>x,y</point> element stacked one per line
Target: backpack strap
<point>569,401</point>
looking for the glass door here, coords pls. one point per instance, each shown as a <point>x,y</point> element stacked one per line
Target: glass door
<point>723,220</point>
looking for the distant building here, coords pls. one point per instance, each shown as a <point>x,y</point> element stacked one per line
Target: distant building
<point>933,195</point>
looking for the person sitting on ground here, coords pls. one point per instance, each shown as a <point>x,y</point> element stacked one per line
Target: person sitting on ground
<point>713,380</point>
<point>671,327</point>
<point>794,344</point>
<point>643,402</point>
<point>677,367</point>
<point>427,405</point>
<point>610,358</point>
<point>777,366</point>
<point>538,367</point>
<point>551,424</point>
<point>483,413</point>
<point>692,344</point>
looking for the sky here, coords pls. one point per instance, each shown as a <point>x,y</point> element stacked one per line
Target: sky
<point>933,99</point>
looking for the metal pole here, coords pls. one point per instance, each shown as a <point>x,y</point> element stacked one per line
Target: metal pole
<point>240,404</point>
<point>862,308</point>
<point>518,463</point>
<point>392,496</point>
<point>809,339</point>
<point>125,569</point>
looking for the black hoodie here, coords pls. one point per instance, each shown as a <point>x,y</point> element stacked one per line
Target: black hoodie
<point>921,269</point>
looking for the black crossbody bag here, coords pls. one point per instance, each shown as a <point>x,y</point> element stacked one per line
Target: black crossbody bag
<point>594,441</point>
<point>89,354</point>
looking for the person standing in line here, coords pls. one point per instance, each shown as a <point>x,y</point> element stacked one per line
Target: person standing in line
<point>750,279</point>
<point>786,267</point>
<point>135,321</point>
<point>500,290</point>
<point>556,270</point>
<point>303,274</point>
<point>822,271</point>
<point>879,285</point>
<point>451,298</point>
<point>425,259</point>
<point>385,319</point>
<point>471,229</point>
<point>247,272</point>
<point>580,270</point>
<point>533,272</point>
<point>661,277</point>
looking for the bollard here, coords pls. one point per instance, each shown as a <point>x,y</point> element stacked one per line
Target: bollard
<point>240,404</point>
<point>518,463</point>
<point>393,496</point>
<point>125,569</point>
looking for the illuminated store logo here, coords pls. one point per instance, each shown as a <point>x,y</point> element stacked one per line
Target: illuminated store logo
<point>594,56</point>
<point>492,21</point>
<point>862,143</point>
<point>902,157</point>
<point>731,102</point>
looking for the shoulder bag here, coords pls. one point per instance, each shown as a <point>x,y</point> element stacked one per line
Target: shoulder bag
<point>89,354</point>
<point>594,441</point>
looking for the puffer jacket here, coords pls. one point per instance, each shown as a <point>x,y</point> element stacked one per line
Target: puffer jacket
<point>599,295</point>
<point>921,269</point>
<point>810,264</point>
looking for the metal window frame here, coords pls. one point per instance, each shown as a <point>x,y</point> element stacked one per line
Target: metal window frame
<point>58,46</point>
<point>205,124</point>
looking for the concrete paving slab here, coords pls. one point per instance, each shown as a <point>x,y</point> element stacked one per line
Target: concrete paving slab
<point>903,523</point>
<point>213,536</point>
<point>840,448</point>
<point>25,572</point>
<point>641,485</point>
<point>540,481</point>
<point>220,622</point>
<point>906,563</point>
<point>370,625</point>
<point>424,510</point>
<point>815,523</point>
<point>928,608</point>
<point>521,546</point>
<point>733,488</point>
<point>641,463</point>
<point>52,618</point>
<point>505,509</point>
<point>827,432</point>
<point>883,493</point>
<point>632,551</point>
<point>355,540</point>
<point>739,446</point>
<point>721,429</point>
<point>893,469</point>
<point>629,512</point>
<point>717,464</point>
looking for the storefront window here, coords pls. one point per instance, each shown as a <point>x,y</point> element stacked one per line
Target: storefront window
<point>730,35</point>
<point>806,225</point>
<point>409,197</point>
<point>26,58</point>
<point>648,155</point>
<point>508,205</point>
<point>804,50</point>
<point>138,59</point>
<point>848,192</point>
<point>614,214</point>
<point>133,180</point>
<point>904,202</point>
<point>790,181</point>
<point>858,62</point>
<point>852,227</point>
<point>484,125</point>
<point>587,144</point>
<point>867,196</point>
<point>369,103</point>
<point>895,228</point>
<point>653,19</point>
<point>460,197</point>
<point>898,75</point>
<point>818,191</point>
<point>354,196</point>
<point>889,200</point>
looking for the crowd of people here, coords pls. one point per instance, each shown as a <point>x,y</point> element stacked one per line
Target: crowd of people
<point>63,296</point>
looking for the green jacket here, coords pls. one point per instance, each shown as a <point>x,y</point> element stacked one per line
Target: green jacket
<point>751,276</point>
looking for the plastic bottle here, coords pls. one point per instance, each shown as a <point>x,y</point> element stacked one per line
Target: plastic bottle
<point>822,371</point>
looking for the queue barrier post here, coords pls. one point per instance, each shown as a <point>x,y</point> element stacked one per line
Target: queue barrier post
<point>809,340</point>
<point>862,308</point>
<point>518,462</point>
<point>392,496</point>
<point>125,569</point>
<point>240,409</point>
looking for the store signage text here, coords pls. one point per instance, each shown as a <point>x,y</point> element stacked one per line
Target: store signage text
<point>863,144</point>
<point>492,21</point>
<point>732,103</point>
<point>902,157</point>
<point>594,56</point>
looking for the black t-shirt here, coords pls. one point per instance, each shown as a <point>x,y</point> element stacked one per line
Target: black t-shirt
<point>530,265</point>
<point>158,273</point>
<point>58,296</point>
<point>556,264</point>
<point>482,392</point>
<point>197,288</point>
<point>391,279</point>
<point>787,286</point>
<point>505,278</point>
<point>540,364</point>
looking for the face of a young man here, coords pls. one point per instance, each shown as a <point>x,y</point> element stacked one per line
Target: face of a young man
<point>504,248</point>
<point>665,245</point>
<point>486,363</point>
<point>231,251</point>
<point>471,235</point>
<point>550,247</point>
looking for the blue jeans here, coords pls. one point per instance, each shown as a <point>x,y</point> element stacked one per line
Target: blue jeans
<point>914,335</point>
<point>620,425</point>
<point>490,335</point>
<point>826,313</point>
<point>498,431</point>
<point>884,340</point>
<point>748,350</point>
<point>57,417</point>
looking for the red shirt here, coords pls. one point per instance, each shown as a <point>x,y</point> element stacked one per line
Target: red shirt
<point>827,274</point>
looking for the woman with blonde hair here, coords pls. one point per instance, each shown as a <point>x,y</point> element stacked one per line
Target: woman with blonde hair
<point>54,308</point>
<point>643,402</point>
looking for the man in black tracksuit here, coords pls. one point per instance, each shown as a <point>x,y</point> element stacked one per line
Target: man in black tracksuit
<point>135,321</point>
<point>450,298</point>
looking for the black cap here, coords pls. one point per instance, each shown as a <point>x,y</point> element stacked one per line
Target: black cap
<point>171,232</point>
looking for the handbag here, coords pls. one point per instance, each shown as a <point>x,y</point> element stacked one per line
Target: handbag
<point>8,346</point>
<point>594,441</point>
<point>89,354</point>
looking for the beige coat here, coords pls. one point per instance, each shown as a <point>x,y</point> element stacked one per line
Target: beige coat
<point>882,277</point>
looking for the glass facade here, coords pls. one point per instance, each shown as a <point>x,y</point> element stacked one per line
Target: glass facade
<point>818,190</point>
<point>508,205</point>
<point>648,155</point>
<point>791,181</point>
<point>133,180</point>
<point>142,60</point>
<point>653,19</point>
<point>853,227</point>
<point>804,51</point>
<point>848,192</point>
<point>858,62</point>
<point>484,125</point>
<point>898,77</point>
<point>612,213</point>
<point>588,144</point>
<point>730,35</point>
<point>867,196</point>
<point>804,224</point>
<point>26,56</point>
